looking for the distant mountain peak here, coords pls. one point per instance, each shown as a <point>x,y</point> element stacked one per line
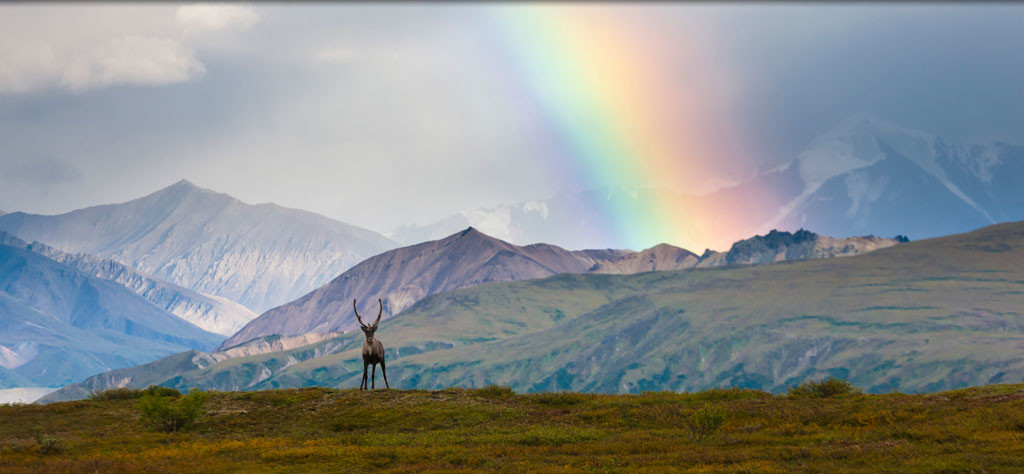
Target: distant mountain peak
<point>186,186</point>
<point>859,141</point>
<point>210,242</point>
<point>863,120</point>
<point>472,234</point>
<point>865,123</point>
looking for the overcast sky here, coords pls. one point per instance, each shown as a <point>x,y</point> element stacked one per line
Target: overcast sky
<point>393,114</point>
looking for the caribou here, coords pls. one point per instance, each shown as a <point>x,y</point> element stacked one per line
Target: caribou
<point>373,350</point>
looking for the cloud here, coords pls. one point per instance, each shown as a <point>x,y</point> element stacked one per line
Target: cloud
<point>215,16</point>
<point>25,64</point>
<point>42,172</point>
<point>132,60</point>
<point>80,48</point>
<point>334,55</point>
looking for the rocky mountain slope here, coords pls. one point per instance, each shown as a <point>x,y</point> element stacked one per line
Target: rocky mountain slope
<point>886,313</point>
<point>864,176</point>
<point>775,246</point>
<point>210,313</point>
<point>403,276</point>
<point>781,246</point>
<point>659,257</point>
<point>257,255</point>
<point>59,324</point>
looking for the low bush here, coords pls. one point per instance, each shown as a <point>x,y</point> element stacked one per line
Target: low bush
<point>706,421</point>
<point>115,394</point>
<point>158,391</point>
<point>48,445</point>
<point>823,388</point>
<point>170,414</point>
<point>130,393</point>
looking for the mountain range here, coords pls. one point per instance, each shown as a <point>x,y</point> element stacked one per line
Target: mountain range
<point>58,323</point>
<point>183,211</point>
<point>864,176</point>
<point>920,316</point>
<point>260,256</point>
<point>401,277</point>
<point>210,313</point>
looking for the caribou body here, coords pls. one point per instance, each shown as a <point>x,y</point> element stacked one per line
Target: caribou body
<point>373,350</point>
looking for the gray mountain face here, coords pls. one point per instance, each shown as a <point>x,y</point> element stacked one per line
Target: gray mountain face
<point>210,313</point>
<point>257,255</point>
<point>862,177</point>
<point>59,324</point>
<point>401,277</point>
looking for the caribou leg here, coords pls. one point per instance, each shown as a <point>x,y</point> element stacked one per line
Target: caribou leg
<point>362,385</point>
<point>385,372</point>
<point>373,377</point>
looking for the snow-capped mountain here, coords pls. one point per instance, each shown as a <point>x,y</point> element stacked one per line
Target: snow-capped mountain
<point>864,176</point>
<point>211,313</point>
<point>869,176</point>
<point>257,255</point>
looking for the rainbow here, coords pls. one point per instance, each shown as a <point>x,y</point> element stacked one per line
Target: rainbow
<point>619,119</point>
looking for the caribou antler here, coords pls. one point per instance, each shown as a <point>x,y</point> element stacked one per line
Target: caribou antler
<point>361,323</point>
<point>381,303</point>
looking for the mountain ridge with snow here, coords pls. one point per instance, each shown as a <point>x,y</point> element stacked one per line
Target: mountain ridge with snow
<point>257,255</point>
<point>211,313</point>
<point>863,176</point>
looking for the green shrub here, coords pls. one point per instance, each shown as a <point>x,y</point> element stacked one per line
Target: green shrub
<point>158,391</point>
<point>115,394</point>
<point>48,445</point>
<point>494,391</point>
<point>130,393</point>
<point>169,414</point>
<point>824,388</point>
<point>706,421</point>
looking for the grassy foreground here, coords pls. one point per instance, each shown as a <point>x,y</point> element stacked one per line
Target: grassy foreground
<point>316,429</point>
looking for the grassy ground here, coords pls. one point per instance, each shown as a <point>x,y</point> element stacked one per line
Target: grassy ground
<point>315,429</point>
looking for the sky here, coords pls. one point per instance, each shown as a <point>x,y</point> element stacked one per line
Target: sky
<point>383,115</point>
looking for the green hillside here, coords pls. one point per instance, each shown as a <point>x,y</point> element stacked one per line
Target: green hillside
<point>325,430</point>
<point>919,317</point>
